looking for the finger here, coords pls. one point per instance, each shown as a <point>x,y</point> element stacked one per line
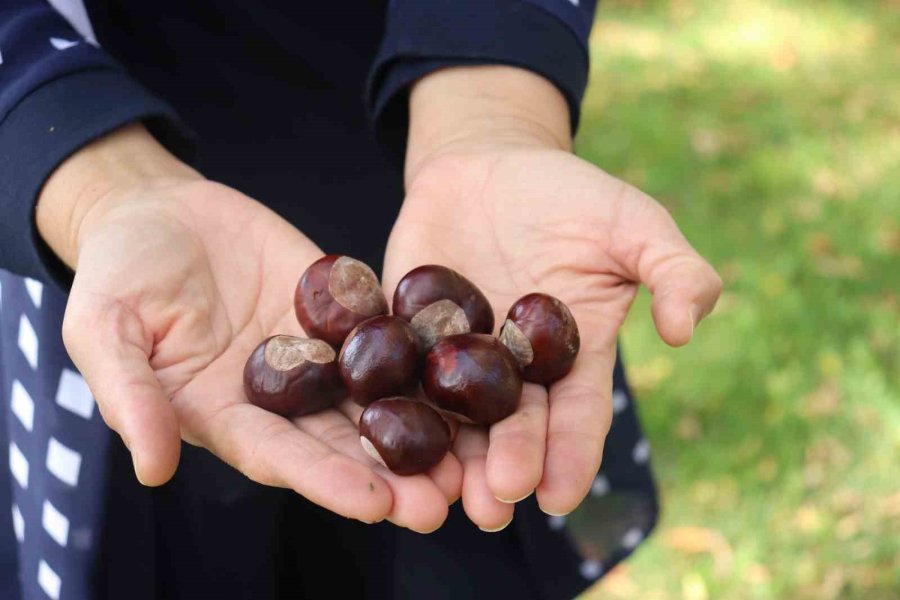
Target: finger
<point>446,475</point>
<point>109,347</point>
<point>488,513</point>
<point>515,458</point>
<point>580,417</point>
<point>418,503</point>
<point>271,450</point>
<point>685,287</point>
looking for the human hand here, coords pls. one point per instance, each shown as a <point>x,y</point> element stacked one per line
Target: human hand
<point>177,279</point>
<point>496,195</point>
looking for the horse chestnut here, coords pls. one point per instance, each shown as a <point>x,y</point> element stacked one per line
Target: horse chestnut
<point>335,294</point>
<point>294,376</point>
<point>380,358</point>
<point>542,334</point>
<point>473,377</point>
<point>406,436</point>
<point>438,302</point>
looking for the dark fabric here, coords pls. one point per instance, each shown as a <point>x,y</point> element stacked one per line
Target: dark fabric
<point>424,36</point>
<point>276,94</point>
<point>57,93</point>
<point>276,87</point>
<point>57,119</point>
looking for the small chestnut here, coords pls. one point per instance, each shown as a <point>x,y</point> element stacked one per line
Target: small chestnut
<point>406,436</point>
<point>542,335</point>
<point>335,294</point>
<point>473,377</point>
<point>293,376</point>
<point>438,302</point>
<point>380,358</point>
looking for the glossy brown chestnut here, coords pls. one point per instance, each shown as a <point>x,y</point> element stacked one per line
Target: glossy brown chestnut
<point>473,377</point>
<point>380,358</point>
<point>542,334</point>
<point>406,436</point>
<point>293,376</point>
<point>438,302</point>
<point>335,294</point>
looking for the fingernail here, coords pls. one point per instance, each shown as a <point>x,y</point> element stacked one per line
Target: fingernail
<point>425,532</point>
<point>137,473</point>
<point>392,522</point>
<point>553,514</point>
<point>514,501</point>
<point>501,528</point>
<point>696,313</point>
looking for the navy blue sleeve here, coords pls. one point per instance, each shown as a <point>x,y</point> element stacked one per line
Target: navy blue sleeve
<point>58,92</point>
<point>549,37</point>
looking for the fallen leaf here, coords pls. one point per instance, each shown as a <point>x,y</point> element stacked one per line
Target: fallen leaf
<point>819,243</point>
<point>847,527</point>
<point>688,427</point>
<point>848,500</point>
<point>700,540</point>
<point>824,401</point>
<point>757,574</point>
<point>808,519</point>
<point>890,506</point>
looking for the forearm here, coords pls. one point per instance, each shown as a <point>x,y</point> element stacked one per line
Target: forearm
<point>73,194</point>
<point>499,104</point>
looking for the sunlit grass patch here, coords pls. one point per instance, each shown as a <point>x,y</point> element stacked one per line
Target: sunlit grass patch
<point>771,131</point>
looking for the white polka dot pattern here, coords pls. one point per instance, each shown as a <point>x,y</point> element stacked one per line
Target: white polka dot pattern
<point>18,465</point>
<point>56,537</point>
<point>641,451</point>
<point>49,581</point>
<point>35,291</point>
<point>619,401</point>
<point>55,524</point>
<point>62,44</point>
<point>28,342</point>
<point>632,538</point>
<point>75,13</point>
<point>556,522</point>
<point>591,569</point>
<point>600,487</point>
<point>18,523</point>
<point>63,462</point>
<point>22,405</point>
<point>74,394</point>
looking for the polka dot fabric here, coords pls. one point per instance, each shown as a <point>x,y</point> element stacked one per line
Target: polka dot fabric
<point>56,443</point>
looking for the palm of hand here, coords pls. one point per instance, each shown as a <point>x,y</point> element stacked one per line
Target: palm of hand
<point>518,220</point>
<point>173,291</point>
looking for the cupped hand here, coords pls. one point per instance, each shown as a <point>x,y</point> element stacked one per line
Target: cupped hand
<point>177,280</point>
<point>517,218</point>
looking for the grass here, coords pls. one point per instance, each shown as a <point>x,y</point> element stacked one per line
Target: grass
<point>771,130</point>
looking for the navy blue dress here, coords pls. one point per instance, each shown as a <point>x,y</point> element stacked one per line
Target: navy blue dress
<point>302,107</point>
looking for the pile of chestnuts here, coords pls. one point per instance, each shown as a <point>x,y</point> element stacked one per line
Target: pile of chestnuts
<point>438,339</point>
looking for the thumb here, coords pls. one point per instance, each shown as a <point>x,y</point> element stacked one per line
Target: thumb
<point>110,348</point>
<point>685,287</point>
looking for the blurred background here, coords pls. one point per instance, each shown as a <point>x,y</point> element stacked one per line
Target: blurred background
<point>771,130</point>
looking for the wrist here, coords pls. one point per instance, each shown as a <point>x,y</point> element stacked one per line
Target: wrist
<point>96,178</point>
<point>471,107</point>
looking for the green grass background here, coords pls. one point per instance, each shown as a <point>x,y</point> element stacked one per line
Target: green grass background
<point>771,130</point>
